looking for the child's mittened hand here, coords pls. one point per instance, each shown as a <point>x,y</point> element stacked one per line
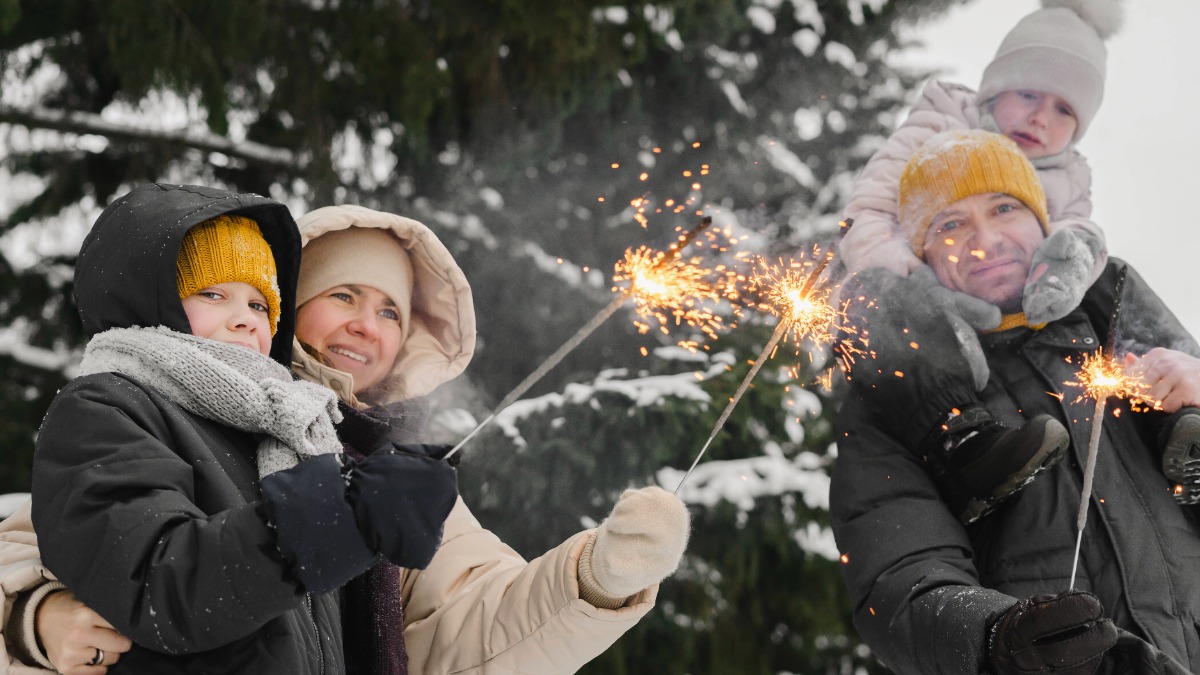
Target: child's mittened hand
<point>1058,277</point>
<point>979,314</point>
<point>638,545</point>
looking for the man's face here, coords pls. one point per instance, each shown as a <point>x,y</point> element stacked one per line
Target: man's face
<point>982,246</point>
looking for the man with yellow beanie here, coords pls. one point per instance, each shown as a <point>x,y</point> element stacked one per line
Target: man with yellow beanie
<point>932,594</point>
<point>973,209</point>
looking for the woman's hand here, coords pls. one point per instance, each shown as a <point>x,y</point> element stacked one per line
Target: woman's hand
<point>73,636</point>
<point>1173,376</point>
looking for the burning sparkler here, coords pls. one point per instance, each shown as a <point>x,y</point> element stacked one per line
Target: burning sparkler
<point>1102,377</point>
<point>790,292</point>
<point>661,284</point>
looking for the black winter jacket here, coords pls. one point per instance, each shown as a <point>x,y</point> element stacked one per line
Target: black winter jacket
<point>925,588</point>
<point>150,514</point>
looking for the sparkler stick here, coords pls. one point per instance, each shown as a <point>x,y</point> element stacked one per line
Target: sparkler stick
<point>786,323</point>
<point>1101,394</point>
<point>780,331</point>
<point>674,251</point>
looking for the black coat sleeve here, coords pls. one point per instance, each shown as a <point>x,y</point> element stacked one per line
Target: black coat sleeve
<point>115,510</point>
<point>907,561</point>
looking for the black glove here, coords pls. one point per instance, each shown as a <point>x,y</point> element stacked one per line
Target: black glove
<point>333,515</point>
<point>1053,634</point>
<point>315,526</point>
<point>401,497</point>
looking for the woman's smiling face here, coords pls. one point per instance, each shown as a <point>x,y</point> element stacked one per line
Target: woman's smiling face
<point>356,328</point>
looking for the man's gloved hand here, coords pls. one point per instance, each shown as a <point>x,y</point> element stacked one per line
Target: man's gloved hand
<point>1064,633</point>
<point>333,515</point>
<point>638,545</point>
<point>1059,274</point>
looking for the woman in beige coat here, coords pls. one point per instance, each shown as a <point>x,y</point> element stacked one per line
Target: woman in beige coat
<point>479,607</point>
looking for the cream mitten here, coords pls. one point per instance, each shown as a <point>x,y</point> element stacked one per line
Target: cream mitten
<point>637,546</point>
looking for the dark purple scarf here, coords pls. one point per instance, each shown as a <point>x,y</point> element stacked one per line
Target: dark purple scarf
<point>373,622</point>
<point>372,609</point>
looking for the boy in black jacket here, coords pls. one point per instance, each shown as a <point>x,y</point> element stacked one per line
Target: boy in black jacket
<point>185,486</point>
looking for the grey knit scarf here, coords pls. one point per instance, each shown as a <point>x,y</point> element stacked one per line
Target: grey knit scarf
<point>225,383</point>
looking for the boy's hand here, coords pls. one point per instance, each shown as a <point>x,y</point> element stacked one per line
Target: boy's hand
<point>1059,275</point>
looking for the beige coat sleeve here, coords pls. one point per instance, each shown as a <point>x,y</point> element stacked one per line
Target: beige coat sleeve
<point>1069,202</point>
<point>480,608</point>
<point>875,239</point>
<point>25,581</point>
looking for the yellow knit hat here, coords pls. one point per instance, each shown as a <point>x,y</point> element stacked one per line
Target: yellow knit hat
<point>225,249</point>
<point>954,165</point>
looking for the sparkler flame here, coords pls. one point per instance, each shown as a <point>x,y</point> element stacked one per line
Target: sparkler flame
<point>1101,376</point>
<point>790,291</point>
<point>668,290</point>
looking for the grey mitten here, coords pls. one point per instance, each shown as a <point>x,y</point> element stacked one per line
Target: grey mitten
<point>1059,274</point>
<point>978,314</point>
<point>967,314</point>
<point>637,546</point>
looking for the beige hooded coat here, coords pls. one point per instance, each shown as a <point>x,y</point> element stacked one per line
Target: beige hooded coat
<point>479,607</point>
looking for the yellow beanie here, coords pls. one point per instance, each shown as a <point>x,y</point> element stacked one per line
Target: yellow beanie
<point>954,165</point>
<point>226,249</point>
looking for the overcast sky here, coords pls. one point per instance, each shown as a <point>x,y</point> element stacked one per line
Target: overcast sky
<point>1144,145</point>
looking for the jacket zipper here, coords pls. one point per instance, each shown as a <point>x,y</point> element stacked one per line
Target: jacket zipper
<point>312,616</point>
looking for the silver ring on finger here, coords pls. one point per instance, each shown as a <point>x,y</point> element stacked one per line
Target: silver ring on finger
<point>97,658</point>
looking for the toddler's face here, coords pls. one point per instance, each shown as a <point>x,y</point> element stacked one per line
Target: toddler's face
<point>1041,124</point>
<point>232,312</point>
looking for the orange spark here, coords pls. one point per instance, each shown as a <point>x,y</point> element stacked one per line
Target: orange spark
<point>1101,377</point>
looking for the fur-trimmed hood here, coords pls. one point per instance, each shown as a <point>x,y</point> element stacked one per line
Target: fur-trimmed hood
<point>441,339</point>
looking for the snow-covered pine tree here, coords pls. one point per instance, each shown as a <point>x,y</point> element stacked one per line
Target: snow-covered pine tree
<point>501,132</point>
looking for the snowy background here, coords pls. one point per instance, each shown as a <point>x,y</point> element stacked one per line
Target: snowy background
<point>1143,143</point>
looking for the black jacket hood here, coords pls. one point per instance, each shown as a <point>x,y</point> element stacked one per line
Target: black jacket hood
<point>125,276</point>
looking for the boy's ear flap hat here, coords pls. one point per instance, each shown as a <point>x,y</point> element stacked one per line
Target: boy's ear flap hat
<point>227,249</point>
<point>954,165</point>
<point>1057,49</point>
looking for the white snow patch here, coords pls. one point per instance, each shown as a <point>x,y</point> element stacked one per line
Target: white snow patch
<point>742,481</point>
<point>809,123</point>
<point>735,98</point>
<point>783,159</point>
<point>840,54</point>
<point>643,392</point>
<point>761,18</point>
<point>806,40</point>
<point>491,198</point>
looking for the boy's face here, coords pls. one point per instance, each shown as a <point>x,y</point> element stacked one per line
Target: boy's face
<point>232,312</point>
<point>982,245</point>
<point>1041,124</point>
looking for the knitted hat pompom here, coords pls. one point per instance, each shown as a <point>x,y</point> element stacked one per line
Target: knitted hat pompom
<point>228,249</point>
<point>1104,16</point>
